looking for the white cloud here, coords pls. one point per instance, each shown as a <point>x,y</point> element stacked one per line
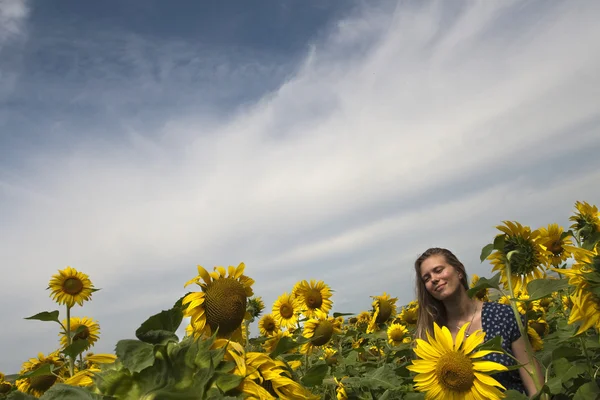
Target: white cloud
<point>440,129</point>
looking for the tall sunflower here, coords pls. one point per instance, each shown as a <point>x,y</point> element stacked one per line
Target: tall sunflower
<point>483,293</point>
<point>529,257</point>
<point>408,315</point>
<point>536,341</point>
<point>70,286</point>
<point>265,378</point>
<point>557,243</point>
<point>586,220</point>
<point>88,330</point>
<point>38,385</point>
<point>586,261</point>
<point>271,343</point>
<point>397,334</point>
<point>285,311</point>
<point>320,331</point>
<point>313,297</point>
<point>586,310</point>
<point>448,369</point>
<point>267,325</point>
<point>255,307</point>
<point>221,305</point>
<point>384,308</point>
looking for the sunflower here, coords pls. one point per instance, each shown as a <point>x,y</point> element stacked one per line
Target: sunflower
<point>330,355</point>
<point>451,370</point>
<point>586,261</point>
<point>586,309</point>
<point>536,341</point>
<point>384,308</point>
<point>397,334</point>
<point>88,330</point>
<point>540,326</point>
<point>255,307</point>
<point>38,385</point>
<point>92,360</point>
<point>271,343</point>
<point>70,286</point>
<point>221,305</point>
<point>524,304</point>
<point>483,293</point>
<point>340,390</point>
<point>320,331</point>
<point>528,259</point>
<point>313,298</point>
<point>408,315</point>
<point>586,220</point>
<point>265,378</point>
<point>267,325</point>
<point>5,386</point>
<point>285,311</point>
<point>558,244</point>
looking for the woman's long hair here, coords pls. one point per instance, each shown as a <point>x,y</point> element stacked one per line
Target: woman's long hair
<point>431,309</point>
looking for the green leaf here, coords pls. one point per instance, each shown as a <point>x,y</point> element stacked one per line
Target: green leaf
<point>46,316</point>
<point>587,391</point>
<point>314,376</point>
<point>499,242</point>
<point>483,283</point>
<point>60,391</point>
<point>117,383</point>
<point>45,369</point>
<point>135,355</point>
<point>339,314</point>
<point>554,385</point>
<point>286,344</point>
<point>227,382</point>
<point>160,326</point>
<point>539,288</point>
<point>486,251</point>
<point>20,396</point>
<point>76,348</point>
<point>514,395</point>
<point>567,370</point>
<point>493,344</point>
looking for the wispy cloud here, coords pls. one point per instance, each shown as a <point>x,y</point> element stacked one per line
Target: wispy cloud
<point>403,128</point>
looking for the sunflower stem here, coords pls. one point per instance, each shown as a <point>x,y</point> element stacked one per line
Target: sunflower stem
<point>513,304</point>
<point>587,356</point>
<point>71,360</point>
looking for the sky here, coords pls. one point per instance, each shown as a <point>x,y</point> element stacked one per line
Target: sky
<point>310,140</point>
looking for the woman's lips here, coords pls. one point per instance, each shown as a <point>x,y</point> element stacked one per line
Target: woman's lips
<point>440,287</point>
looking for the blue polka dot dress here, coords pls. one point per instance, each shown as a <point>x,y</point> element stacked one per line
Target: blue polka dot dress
<point>499,320</point>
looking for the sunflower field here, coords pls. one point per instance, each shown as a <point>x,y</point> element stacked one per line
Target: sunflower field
<point>549,276</point>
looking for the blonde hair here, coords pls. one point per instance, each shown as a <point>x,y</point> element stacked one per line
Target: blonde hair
<point>431,309</point>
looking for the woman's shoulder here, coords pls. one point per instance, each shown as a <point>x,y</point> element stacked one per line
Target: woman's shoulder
<point>498,309</point>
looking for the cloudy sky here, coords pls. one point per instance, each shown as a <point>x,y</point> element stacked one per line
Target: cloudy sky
<point>329,140</point>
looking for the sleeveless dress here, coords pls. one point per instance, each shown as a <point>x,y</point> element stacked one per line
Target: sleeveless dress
<point>499,320</point>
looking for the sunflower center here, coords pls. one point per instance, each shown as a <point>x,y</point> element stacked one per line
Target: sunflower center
<point>385,311</point>
<point>396,335</point>
<point>42,382</point>
<point>323,333</point>
<point>5,387</point>
<point>455,372</point>
<point>286,311</point>
<point>538,327</point>
<point>72,286</point>
<point>556,247</point>
<point>269,325</point>
<point>525,260</point>
<point>314,298</point>
<point>83,334</point>
<point>225,305</point>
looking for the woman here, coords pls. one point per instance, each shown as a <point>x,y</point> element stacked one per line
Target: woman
<point>442,295</point>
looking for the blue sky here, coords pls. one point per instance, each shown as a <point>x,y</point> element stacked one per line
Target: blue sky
<point>328,140</point>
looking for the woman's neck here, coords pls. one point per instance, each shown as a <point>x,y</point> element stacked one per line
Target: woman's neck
<point>459,307</point>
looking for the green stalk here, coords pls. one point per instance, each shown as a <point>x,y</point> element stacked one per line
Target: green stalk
<point>587,356</point>
<point>528,348</point>
<point>71,360</point>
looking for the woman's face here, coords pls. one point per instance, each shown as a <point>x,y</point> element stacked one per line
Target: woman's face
<point>441,279</point>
